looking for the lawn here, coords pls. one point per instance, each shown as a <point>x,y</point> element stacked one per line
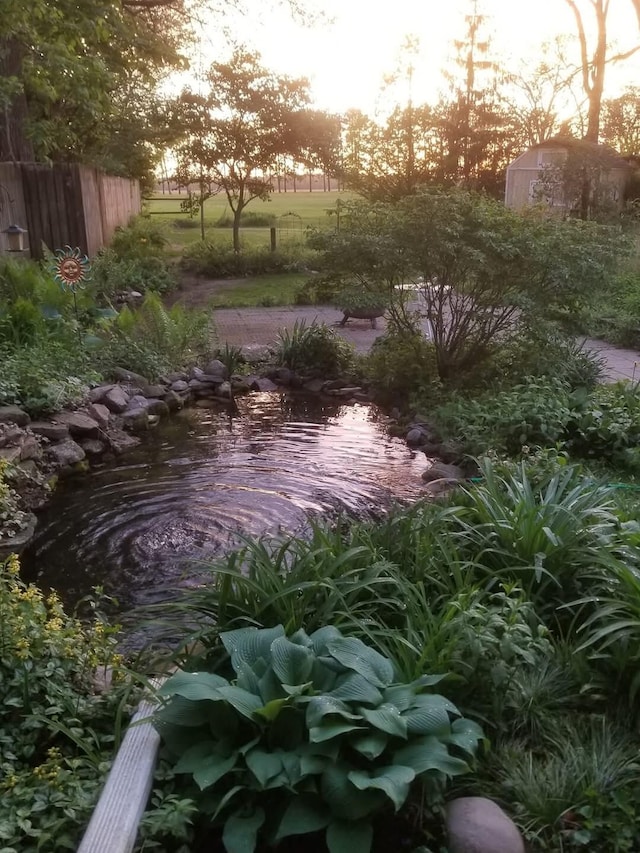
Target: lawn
<point>262,290</point>
<point>291,214</point>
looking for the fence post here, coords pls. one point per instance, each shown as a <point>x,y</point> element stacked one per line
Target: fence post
<point>272,232</point>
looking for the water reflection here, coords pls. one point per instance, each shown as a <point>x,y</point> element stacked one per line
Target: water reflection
<point>206,476</point>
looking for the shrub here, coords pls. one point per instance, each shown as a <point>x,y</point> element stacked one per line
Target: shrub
<point>57,733</point>
<point>606,424</point>
<point>142,238</point>
<point>313,349</point>
<point>312,733</point>
<point>220,261</point>
<point>401,365</point>
<point>12,518</point>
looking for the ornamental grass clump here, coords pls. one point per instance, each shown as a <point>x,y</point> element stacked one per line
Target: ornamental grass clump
<point>312,733</point>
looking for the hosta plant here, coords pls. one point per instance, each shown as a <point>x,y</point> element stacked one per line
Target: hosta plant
<point>312,733</point>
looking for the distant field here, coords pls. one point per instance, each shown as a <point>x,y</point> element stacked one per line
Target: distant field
<point>292,212</point>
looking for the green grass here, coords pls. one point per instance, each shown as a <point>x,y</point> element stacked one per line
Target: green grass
<point>310,210</point>
<point>263,290</point>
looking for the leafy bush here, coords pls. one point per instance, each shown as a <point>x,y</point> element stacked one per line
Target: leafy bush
<point>12,518</point>
<point>313,349</point>
<point>312,733</point>
<point>220,261</point>
<point>57,733</point>
<point>401,365</point>
<point>47,376</point>
<point>535,412</point>
<point>142,238</point>
<point>153,340</point>
<point>606,424</point>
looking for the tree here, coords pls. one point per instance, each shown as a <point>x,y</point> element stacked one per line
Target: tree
<point>237,131</point>
<point>66,67</point>
<point>621,122</point>
<point>594,59</point>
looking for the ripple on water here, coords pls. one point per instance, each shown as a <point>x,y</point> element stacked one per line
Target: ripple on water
<point>204,477</point>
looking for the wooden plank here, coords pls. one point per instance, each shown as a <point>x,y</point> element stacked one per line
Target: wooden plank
<point>32,206</point>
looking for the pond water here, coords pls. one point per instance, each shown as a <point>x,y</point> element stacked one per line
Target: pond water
<point>139,525</point>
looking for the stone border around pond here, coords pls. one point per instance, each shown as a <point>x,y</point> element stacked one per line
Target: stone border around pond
<point>116,414</point>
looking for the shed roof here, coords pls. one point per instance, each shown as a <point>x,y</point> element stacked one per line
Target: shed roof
<point>608,156</point>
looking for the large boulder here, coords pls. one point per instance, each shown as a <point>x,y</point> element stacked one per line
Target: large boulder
<point>129,376</point>
<point>478,825</point>
<point>135,419</point>
<point>100,414</point>
<point>173,400</point>
<point>121,442</point>
<point>13,415</point>
<point>116,400</point>
<point>216,368</point>
<point>179,385</point>
<point>265,384</point>
<point>442,471</point>
<point>51,431</point>
<point>79,424</point>
<point>66,453</point>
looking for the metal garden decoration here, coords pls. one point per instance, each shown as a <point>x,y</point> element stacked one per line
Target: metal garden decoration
<point>71,269</point>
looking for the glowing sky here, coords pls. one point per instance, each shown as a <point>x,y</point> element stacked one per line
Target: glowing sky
<point>347,59</point>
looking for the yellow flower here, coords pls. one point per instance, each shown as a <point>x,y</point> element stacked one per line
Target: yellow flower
<point>12,564</point>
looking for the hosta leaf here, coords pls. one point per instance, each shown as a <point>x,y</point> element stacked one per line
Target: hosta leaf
<point>387,718</point>
<point>426,681</point>
<point>240,833</point>
<point>291,663</point>
<point>323,678</point>
<point>193,685</point>
<point>465,734</point>
<point>248,678</point>
<point>184,712</point>
<point>244,702</point>
<point>370,745</point>
<point>301,638</point>
<point>270,688</point>
<point>353,687</point>
<point>327,731</point>
<point>320,706</point>
<point>394,781</point>
<point>355,655</point>
<point>304,814</point>
<point>247,645</point>
<point>264,765</point>
<point>342,796</point>
<point>322,637</point>
<point>400,695</point>
<point>427,718</point>
<point>428,753</point>
<point>345,836</point>
<point>213,769</point>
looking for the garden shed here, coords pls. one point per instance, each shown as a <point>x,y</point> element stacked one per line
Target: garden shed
<point>553,173</point>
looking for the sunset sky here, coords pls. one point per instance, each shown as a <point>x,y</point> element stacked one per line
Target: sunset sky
<point>347,58</point>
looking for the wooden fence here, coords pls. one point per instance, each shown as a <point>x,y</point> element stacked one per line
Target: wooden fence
<point>64,205</point>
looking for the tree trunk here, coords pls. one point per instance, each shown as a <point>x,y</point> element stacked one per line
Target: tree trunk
<point>14,143</point>
<point>236,229</point>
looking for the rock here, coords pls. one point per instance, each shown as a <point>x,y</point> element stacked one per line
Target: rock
<point>174,401</point>
<point>179,376</point>
<point>130,377</point>
<point>93,448</point>
<point>154,391</point>
<point>152,405</point>
<point>10,434</point>
<point>30,448</point>
<point>442,471</point>
<point>79,424</point>
<point>263,385</point>
<point>96,394</point>
<point>428,432</point>
<point>66,453</point>
<point>314,386</point>
<point>216,368</point>
<point>54,432</point>
<point>115,399</point>
<point>240,385</point>
<point>121,441</point>
<point>198,386</point>
<point>255,353</point>
<point>282,375</point>
<point>347,391</point>
<point>13,415</point>
<point>10,454</point>
<point>179,385</point>
<point>450,451</point>
<point>100,414</point>
<point>153,421</point>
<point>415,436</point>
<point>224,390</point>
<point>478,825</point>
<point>15,544</point>
<point>135,419</point>
<point>195,373</point>
<point>395,413</point>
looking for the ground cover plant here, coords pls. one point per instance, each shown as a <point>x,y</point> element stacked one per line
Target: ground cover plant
<point>58,730</point>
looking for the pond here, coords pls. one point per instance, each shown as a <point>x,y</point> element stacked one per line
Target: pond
<point>138,526</point>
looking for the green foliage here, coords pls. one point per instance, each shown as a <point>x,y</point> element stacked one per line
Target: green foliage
<point>312,733</point>
<point>153,340</point>
<point>135,260</point>
<point>47,376</point>
<point>313,349</point>
<point>402,365</point>
<point>57,733</point>
<point>214,260</point>
<point>12,518</point>
<point>248,219</point>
